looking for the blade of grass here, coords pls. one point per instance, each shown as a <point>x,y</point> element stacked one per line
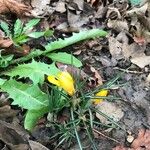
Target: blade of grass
<point>76,133</point>
<point>89,135</point>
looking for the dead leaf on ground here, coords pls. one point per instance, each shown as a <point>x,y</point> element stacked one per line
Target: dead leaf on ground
<point>141,61</point>
<point>12,6</point>
<point>36,145</point>
<point>143,140</point>
<point>13,136</point>
<point>6,112</point>
<point>5,43</point>
<point>118,25</point>
<point>41,8</point>
<point>111,110</point>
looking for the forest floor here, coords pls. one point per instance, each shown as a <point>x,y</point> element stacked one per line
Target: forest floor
<point>125,50</point>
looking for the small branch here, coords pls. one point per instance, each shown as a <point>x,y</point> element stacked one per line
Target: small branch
<point>105,136</point>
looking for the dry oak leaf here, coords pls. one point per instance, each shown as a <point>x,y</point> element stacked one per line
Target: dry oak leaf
<point>143,140</point>
<point>7,6</point>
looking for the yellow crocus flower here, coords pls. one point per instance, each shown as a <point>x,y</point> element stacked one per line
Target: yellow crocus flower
<point>100,93</point>
<point>63,80</point>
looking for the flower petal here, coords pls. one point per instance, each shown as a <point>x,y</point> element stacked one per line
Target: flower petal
<point>52,79</point>
<point>102,93</point>
<point>66,82</point>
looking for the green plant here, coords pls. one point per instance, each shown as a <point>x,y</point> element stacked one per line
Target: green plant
<point>38,97</point>
<point>23,33</point>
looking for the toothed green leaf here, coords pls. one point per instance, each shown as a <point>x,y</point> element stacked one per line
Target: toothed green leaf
<point>18,27</point>
<point>5,28</point>
<point>33,116</point>
<point>65,58</point>
<point>61,43</point>
<point>30,24</point>
<point>76,37</point>
<point>34,70</point>
<point>28,97</point>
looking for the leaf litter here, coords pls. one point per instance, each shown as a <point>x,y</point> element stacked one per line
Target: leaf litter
<point>128,41</point>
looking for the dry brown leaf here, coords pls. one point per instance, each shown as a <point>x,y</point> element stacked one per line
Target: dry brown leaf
<point>5,43</point>
<point>121,147</point>
<point>13,136</point>
<point>12,6</point>
<point>118,25</point>
<point>41,7</point>
<point>36,145</point>
<point>97,76</point>
<point>60,7</point>
<point>6,112</point>
<point>141,61</point>
<point>143,140</point>
<point>111,110</point>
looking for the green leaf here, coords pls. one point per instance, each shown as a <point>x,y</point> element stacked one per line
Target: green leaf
<point>34,70</point>
<point>65,58</point>
<point>48,33</point>
<point>59,44</point>
<point>36,34</point>
<point>135,2</point>
<point>5,60</point>
<point>30,24</point>
<point>5,28</point>
<point>33,116</point>
<point>24,95</point>
<point>18,27</point>
<point>83,35</point>
<point>2,81</point>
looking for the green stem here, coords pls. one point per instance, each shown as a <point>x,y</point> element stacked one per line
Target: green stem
<point>76,133</point>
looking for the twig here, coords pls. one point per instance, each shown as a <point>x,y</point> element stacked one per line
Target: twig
<point>128,71</point>
<point>105,135</point>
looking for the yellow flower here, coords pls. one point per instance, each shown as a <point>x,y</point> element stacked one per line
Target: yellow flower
<point>103,93</point>
<point>63,80</point>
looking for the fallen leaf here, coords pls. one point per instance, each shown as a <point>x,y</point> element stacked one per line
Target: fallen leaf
<point>118,25</point>
<point>121,147</point>
<point>41,8</point>
<point>60,7</point>
<point>97,76</point>
<point>143,140</point>
<point>36,145</point>
<point>5,43</point>
<point>13,136</point>
<point>6,112</point>
<point>111,110</point>
<point>12,6</point>
<point>141,61</point>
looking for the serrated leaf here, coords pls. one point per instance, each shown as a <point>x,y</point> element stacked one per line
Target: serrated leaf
<point>2,81</point>
<point>30,24</point>
<point>83,35</point>
<point>34,70</point>
<point>5,60</point>
<point>18,27</point>
<point>5,28</point>
<point>33,116</point>
<point>65,58</point>
<point>36,34</point>
<point>59,44</point>
<point>24,95</point>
